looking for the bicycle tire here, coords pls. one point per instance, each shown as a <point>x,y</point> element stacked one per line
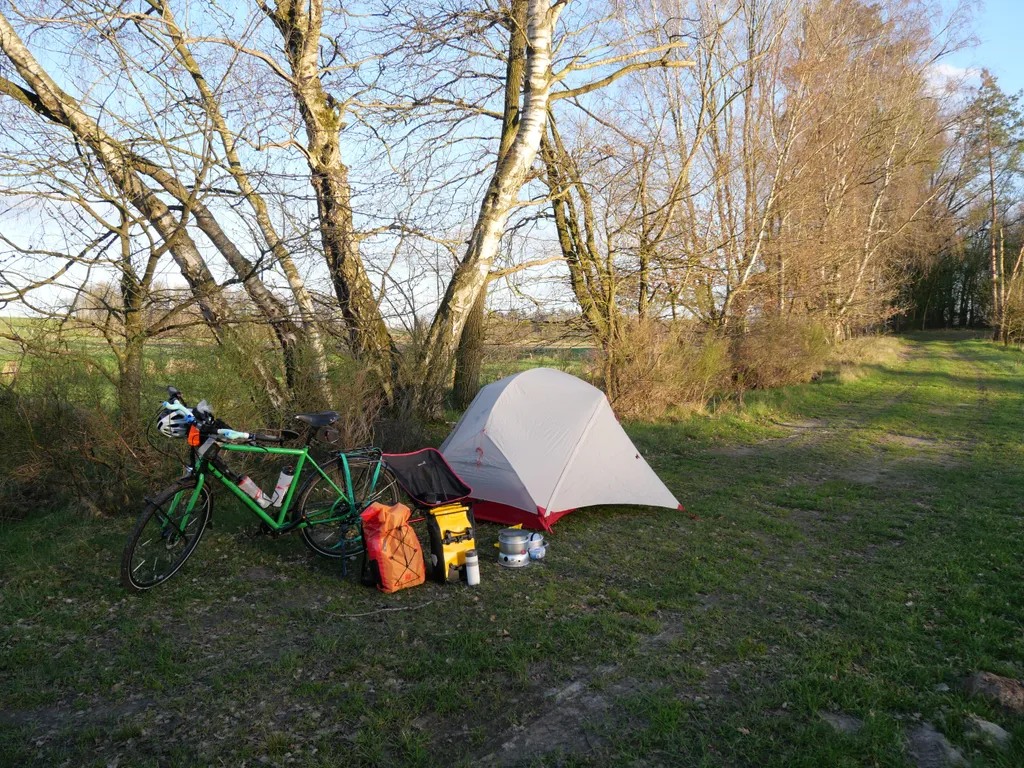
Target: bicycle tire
<point>160,511</point>
<point>346,541</point>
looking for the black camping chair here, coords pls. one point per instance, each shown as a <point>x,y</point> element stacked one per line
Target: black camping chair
<point>427,478</point>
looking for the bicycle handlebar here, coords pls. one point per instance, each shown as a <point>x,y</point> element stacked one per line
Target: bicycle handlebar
<point>231,434</point>
<point>176,402</point>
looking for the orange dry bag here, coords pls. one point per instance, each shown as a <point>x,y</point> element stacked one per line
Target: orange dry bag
<point>393,551</point>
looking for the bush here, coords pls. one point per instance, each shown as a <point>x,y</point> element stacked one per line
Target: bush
<point>777,352</point>
<point>658,366</point>
<point>63,444</point>
<point>1013,316</point>
<point>64,441</point>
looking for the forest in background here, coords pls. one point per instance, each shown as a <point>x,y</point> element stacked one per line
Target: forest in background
<point>377,206</point>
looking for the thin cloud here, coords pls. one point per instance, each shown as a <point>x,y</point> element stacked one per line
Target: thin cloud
<point>944,76</point>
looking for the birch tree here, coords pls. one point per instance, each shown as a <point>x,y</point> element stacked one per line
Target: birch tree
<point>993,131</point>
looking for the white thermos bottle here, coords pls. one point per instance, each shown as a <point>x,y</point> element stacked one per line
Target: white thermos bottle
<point>472,568</point>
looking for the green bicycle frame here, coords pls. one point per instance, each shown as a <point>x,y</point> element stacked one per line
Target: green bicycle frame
<point>206,466</point>
<point>302,456</point>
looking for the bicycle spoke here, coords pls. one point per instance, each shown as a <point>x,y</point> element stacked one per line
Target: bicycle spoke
<point>335,527</point>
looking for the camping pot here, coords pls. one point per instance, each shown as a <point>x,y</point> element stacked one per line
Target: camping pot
<point>516,560</point>
<point>512,541</point>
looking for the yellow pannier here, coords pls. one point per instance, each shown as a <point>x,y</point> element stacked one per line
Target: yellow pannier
<point>452,533</point>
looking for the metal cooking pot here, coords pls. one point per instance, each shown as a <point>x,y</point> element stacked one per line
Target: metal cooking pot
<point>517,560</point>
<point>512,541</point>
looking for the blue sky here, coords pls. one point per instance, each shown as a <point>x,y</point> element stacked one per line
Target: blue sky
<point>998,25</point>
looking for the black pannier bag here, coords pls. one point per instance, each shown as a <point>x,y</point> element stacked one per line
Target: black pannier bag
<point>427,478</point>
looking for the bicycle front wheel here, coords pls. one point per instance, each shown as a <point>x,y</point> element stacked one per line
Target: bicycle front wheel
<point>334,528</point>
<point>165,534</point>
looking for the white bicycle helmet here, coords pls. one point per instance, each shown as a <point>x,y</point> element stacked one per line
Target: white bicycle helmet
<point>173,424</point>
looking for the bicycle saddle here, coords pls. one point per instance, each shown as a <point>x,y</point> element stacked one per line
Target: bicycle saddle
<point>317,420</point>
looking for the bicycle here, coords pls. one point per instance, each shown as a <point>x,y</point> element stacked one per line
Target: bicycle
<point>326,508</point>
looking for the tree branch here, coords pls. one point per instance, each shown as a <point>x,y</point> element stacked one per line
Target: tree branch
<point>637,66</point>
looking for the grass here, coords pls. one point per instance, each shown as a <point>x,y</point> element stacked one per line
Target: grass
<point>854,544</point>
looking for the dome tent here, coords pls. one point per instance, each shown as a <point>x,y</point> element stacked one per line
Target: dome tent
<point>539,444</point>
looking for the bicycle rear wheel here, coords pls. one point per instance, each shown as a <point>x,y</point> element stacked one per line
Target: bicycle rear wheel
<point>165,534</point>
<point>335,528</point>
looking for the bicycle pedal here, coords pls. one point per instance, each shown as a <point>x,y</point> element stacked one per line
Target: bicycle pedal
<point>262,530</point>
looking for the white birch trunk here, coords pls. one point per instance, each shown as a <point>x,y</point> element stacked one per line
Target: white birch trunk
<point>502,194</point>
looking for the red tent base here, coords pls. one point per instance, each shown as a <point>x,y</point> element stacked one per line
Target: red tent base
<point>502,513</point>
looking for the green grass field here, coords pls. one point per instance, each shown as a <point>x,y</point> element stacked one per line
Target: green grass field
<point>851,549</point>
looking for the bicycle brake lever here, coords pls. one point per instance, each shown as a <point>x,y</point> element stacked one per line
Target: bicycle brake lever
<point>177,406</point>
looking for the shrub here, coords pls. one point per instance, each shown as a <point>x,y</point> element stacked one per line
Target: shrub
<point>64,442</point>
<point>1013,316</point>
<point>777,352</point>
<point>657,366</point>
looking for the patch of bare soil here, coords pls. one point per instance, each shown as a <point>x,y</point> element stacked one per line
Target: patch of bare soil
<point>567,725</point>
<point>842,722</point>
<point>925,449</point>
<point>866,474</point>
<point>909,441</point>
<point>734,451</point>
<point>803,424</point>
<point>57,718</point>
<point>806,431</point>
<point>574,718</point>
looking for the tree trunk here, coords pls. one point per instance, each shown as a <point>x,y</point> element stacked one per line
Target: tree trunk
<point>575,229</point>
<point>997,309</point>
<point>48,100</point>
<point>129,380</point>
<point>644,289</point>
<point>290,337</point>
<point>1003,293</point>
<point>307,336</point>
<point>299,24</point>
<point>471,276</point>
<point>129,387</point>
<point>469,355</point>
